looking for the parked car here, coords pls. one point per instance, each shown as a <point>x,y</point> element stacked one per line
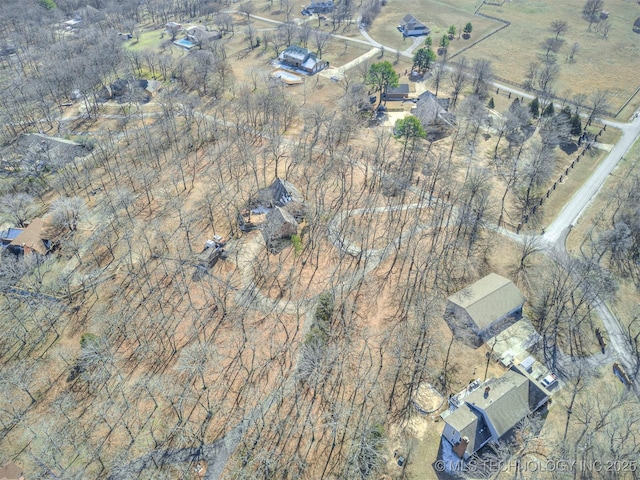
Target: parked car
<point>549,381</point>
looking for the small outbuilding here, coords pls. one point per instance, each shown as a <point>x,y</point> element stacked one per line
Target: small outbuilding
<point>484,308</point>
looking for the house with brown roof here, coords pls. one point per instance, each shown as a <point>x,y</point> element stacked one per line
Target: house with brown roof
<point>488,412</point>
<point>35,238</point>
<point>483,309</point>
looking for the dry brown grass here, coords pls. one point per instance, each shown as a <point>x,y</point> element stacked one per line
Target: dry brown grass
<point>438,16</point>
<point>601,63</point>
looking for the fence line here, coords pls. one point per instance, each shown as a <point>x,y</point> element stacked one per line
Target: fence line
<point>556,98</point>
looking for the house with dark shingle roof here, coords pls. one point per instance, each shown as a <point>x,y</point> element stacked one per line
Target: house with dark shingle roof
<point>199,35</point>
<point>410,26</point>
<point>401,92</point>
<point>490,411</point>
<point>303,59</point>
<point>484,308</point>
<point>432,110</point>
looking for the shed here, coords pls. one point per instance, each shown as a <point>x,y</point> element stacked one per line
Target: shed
<point>484,308</point>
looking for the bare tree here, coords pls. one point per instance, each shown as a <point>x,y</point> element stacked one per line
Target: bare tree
<point>547,75</point>
<point>248,8</point>
<point>574,49</point>
<point>559,27</point>
<point>599,101</point>
<point>438,73</point>
<point>67,212</point>
<point>320,40</point>
<point>591,10</point>
<point>19,206</point>
<point>481,77</point>
<point>459,79</point>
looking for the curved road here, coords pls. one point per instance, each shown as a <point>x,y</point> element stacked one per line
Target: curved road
<point>218,452</point>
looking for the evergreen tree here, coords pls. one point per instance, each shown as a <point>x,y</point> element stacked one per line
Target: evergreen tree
<point>576,125</point>
<point>548,110</point>
<point>534,107</point>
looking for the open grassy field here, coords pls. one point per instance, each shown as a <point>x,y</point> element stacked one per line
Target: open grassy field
<point>438,16</point>
<point>600,63</point>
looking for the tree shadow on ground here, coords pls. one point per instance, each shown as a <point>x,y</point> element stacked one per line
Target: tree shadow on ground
<point>569,147</point>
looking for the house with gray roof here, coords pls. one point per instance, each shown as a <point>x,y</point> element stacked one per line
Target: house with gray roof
<point>300,58</point>
<point>410,26</point>
<point>318,6</point>
<point>483,309</point>
<point>488,412</point>
<point>434,115</point>
<point>401,92</point>
<point>199,35</point>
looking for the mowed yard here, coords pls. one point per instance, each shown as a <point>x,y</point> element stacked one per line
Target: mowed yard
<point>600,64</point>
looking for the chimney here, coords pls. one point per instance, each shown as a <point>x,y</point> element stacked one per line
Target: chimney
<point>486,392</point>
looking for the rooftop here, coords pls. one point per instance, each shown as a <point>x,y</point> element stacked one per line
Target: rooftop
<point>505,403</point>
<point>297,52</point>
<point>400,89</point>
<point>488,299</point>
<point>36,237</point>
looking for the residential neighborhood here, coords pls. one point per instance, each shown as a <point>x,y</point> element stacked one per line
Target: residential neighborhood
<point>319,239</point>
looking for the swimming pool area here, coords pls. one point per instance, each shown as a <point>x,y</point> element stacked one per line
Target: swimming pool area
<point>183,42</point>
<point>287,77</point>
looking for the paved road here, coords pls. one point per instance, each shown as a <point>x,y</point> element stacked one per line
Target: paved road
<point>572,211</point>
<point>556,233</point>
<point>218,452</point>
